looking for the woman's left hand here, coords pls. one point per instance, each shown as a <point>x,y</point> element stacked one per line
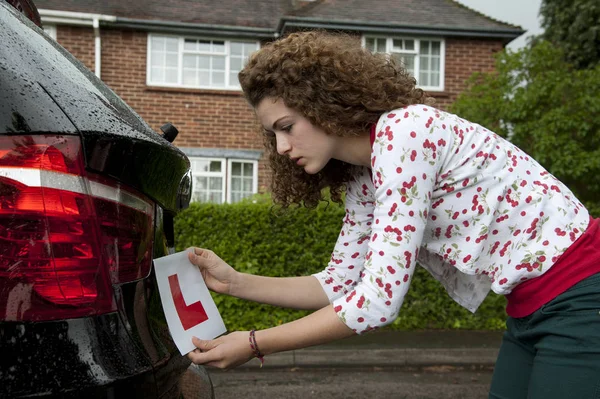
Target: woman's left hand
<point>225,352</point>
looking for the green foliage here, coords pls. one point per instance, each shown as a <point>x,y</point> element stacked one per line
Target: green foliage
<point>573,25</point>
<point>256,237</point>
<point>548,108</point>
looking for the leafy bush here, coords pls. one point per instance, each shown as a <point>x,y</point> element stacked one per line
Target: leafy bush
<point>261,239</point>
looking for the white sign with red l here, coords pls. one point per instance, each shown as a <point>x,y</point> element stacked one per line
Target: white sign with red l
<point>186,301</point>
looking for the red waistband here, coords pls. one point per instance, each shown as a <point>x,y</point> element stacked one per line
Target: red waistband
<point>580,260</point>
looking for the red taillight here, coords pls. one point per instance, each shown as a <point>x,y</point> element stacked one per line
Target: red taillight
<point>66,236</point>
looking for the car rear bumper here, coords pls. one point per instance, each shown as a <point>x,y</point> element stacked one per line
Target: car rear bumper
<point>87,357</point>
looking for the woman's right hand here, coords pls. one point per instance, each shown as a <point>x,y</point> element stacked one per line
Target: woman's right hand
<point>217,274</point>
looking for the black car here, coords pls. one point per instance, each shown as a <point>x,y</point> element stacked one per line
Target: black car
<point>88,193</point>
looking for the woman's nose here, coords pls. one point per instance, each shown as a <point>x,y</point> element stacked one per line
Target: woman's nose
<point>283,144</point>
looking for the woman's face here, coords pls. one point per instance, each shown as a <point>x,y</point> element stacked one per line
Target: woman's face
<point>305,144</point>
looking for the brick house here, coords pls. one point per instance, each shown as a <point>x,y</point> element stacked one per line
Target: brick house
<point>178,60</point>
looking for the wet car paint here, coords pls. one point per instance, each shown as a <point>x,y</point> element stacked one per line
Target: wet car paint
<point>130,353</point>
<point>117,142</point>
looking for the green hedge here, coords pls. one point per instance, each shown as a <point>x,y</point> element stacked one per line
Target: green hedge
<point>255,237</point>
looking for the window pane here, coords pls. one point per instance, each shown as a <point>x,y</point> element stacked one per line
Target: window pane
<point>190,61</point>
<point>218,66</point>
<point>203,61</point>
<point>172,45</point>
<point>204,78</point>
<point>424,79</point>
<point>248,185</point>
<point>424,47</point>
<point>216,197</point>
<point>157,75</point>
<point>200,183</point>
<point>171,75</point>
<point>215,166</point>
<point>218,63</point>
<point>233,79</point>
<point>172,60</point>
<point>436,48</point>
<point>190,45</point>
<point>435,64</point>
<point>236,184</point>
<point>236,48</point>
<point>407,60</point>
<point>199,196</point>
<point>435,79</point>
<point>190,77</point>
<point>409,44</point>
<point>216,183</point>
<point>199,165</point>
<point>203,45</point>
<point>370,44</point>
<point>236,169</point>
<point>158,44</point>
<point>235,64</point>
<point>218,79</point>
<point>157,59</point>
<point>397,44</point>
<point>381,45</point>
<point>218,47</point>
<point>424,64</point>
<point>249,169</point>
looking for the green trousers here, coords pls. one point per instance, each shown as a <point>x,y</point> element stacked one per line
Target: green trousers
<point>553,353</point>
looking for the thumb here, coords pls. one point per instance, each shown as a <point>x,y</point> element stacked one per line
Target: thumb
<point>197,256</point>
<point>203,345</point>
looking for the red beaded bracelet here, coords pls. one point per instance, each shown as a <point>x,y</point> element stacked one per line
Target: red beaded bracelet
<point>254,347</point>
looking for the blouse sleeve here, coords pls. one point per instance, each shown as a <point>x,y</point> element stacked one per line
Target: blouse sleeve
<point>405,160</point>
<point>344,269</point>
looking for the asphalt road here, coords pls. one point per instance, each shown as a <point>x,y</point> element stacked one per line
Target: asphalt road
<point>446,382</point>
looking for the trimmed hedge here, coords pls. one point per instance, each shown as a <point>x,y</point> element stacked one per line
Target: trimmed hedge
<point>256,237</point>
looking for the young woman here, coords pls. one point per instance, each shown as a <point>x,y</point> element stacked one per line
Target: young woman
<point>425,186</point>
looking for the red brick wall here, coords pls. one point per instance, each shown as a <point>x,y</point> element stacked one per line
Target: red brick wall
<point>80,42</point>
<point>222,119</point>
<point>463,57</point>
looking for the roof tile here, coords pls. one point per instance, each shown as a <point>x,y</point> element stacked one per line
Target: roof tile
<point>267,13</point>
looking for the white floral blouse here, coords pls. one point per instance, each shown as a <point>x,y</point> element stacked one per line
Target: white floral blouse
<point>473,209</point>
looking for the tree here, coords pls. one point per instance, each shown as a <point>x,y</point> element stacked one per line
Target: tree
<point>573,25</point>
<point>548,108</point>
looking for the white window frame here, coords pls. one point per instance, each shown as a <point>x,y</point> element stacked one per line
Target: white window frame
<point>225,174</point>
<point>229,175</point>
<point>50,30</point>
<point>180,52</point>
<point>222,174</point>
<point>417,41</point>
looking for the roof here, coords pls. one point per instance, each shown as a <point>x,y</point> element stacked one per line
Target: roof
<point>279,16</point>
<point>255,13</point>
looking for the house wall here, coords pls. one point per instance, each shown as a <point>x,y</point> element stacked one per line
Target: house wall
<point>222,119</point>
<point>463,58</point>
<point>79,41</point>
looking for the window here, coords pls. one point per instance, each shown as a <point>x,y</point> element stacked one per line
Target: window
<point>424,59</point>
<point>223,180</point>
<point>50,30</point>
<point>196,63</point>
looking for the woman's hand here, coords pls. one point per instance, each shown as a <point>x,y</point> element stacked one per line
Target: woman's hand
<point>217,274</point>
<point>225,352</point>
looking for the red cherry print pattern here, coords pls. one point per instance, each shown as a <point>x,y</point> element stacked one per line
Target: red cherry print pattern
<point>458,192</point>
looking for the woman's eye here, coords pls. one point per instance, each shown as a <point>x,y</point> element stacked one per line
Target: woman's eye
<point>287,128</point>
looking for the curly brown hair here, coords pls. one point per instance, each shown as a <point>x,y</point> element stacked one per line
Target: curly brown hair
<point>334,83</point>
